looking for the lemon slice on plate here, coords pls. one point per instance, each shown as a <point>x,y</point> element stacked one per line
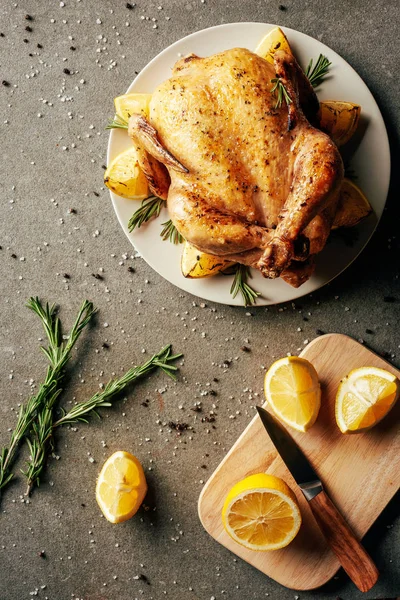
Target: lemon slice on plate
<point>261,513</point>
<point>121,487</point>
<point>353,206</point>
<point>364,397</point>
<point>196,264</point>
<point>339,119</point>
<point>270,43</point>
<point>125,178</point>
<point>132,104</point>
<point>293,392</point>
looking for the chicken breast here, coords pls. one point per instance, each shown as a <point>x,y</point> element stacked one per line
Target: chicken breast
<point>245,177</point>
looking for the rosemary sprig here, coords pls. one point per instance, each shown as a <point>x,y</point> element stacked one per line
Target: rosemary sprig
<point>280,92</point>
<point>240,285</point>
<point>58,353</point>
<point>27,411</point>
<point>58,356</point>
<point>170,232</point>
<point>149,208</point>
<point>117,122</point>
<point>317,74</point>
<point>81,410</point>
<point>25,418</point>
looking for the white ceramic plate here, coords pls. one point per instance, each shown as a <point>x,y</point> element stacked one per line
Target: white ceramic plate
<point>371,163</point>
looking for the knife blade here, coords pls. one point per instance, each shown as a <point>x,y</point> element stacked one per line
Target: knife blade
<point>300,468</point>
<point>351,554</point>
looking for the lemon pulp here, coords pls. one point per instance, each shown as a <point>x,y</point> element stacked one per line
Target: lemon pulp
<point>261,512</point>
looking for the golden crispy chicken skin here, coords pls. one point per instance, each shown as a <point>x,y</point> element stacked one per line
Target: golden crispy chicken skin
<point>244,179</point>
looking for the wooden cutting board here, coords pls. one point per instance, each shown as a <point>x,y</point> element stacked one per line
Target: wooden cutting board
<point>360,472</point>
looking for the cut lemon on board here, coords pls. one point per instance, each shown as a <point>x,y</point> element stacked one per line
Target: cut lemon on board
<point>125,178</point>
<point>293,392</point>
<point>132,104</point>
<point>121,487</point>
<point>364,397</point>
<point>261,513</point>
<point>273,41</point>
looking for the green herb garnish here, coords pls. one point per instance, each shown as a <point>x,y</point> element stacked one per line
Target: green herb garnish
<point>170,232</point>
<point>58,353</point>
<point>117,122</point>
<point>240,284</point>
<point>80,411</point>
<point>317,74</point>
<point>149,209</point>
<point>281,92</point>
<point>33,415</point>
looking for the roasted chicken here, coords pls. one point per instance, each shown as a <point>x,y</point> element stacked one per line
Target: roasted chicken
<point>245,177</point>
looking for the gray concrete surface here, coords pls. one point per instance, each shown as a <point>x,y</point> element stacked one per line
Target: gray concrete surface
<point>53,147</point>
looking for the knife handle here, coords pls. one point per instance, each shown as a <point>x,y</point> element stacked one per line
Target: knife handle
<point>354,559</point>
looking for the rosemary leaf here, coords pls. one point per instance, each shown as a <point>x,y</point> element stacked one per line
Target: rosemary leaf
<point>170,232</point>
<point>39,432</point>
<point>149,208</point>
<point>280,92</point>
<point>117,122</point>
<point>317,74</point>
<point>240,285</point>
<point>82,410</point>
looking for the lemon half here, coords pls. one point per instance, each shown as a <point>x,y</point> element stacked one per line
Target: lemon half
<point>261,513</point>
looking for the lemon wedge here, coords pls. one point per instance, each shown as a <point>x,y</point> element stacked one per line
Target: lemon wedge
<point>132,104</point>
<point>121,487</point>
<point>273,41</point>
<point>125,178</point>
<point>339,119</point>
<point>261,513</point>
<point>293,392</point>
<point>196,264</point>
<point>364,397</point>
<point>353,206</point>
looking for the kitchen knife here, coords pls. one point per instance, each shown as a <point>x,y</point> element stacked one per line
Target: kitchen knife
<point>352,556</point>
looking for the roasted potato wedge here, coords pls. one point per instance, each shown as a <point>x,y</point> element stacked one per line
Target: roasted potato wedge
<point>339,120</point>
<point>273,41</point>
<point>132,104</point>
<point>196,264</point>
<point>353,206</point>
<point>125,178</point>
